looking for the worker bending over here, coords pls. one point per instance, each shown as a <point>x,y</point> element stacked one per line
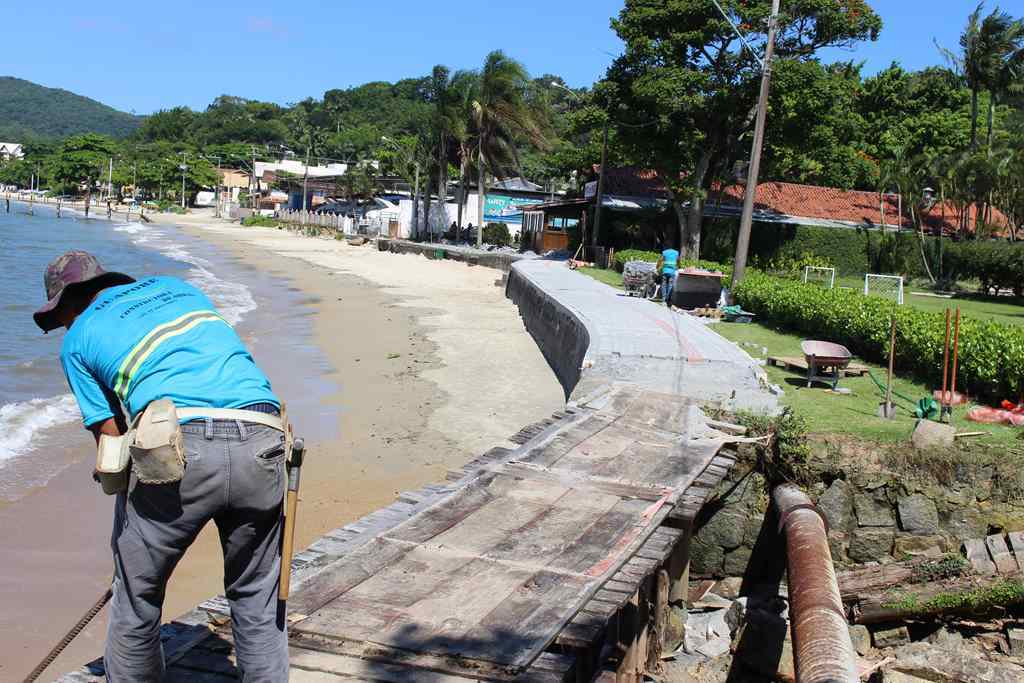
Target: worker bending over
<point>668,265</point>
<point>133,343</point>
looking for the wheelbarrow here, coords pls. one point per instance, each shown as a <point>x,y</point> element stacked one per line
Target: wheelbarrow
<point>825,361</point>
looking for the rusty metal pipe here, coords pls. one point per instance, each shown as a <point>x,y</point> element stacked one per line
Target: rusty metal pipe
<point>822,649</point>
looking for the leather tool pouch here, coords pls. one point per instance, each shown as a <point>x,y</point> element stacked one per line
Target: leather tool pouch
<point>112,458</point>
<point>158,456</point>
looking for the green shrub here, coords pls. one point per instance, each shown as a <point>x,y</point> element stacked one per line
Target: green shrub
<point>995,265</point>
<point>497,233</point>
<point>851,251</point>
<point>260,221</point>
<point>625,256</point>
<point>991,354</point>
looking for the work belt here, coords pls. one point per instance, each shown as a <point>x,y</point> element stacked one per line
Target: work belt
<point>225,420</point>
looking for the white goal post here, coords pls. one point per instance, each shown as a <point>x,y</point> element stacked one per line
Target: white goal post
<point>887,286</point>
<point>820,275</point>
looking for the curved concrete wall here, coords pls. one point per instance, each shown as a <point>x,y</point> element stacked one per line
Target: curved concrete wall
<point>593,335</point>
<point>563,337</point>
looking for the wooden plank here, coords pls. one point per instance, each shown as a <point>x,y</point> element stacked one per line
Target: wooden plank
<point>310,661</point>
<point>447,512</point>
<point>341,576</point>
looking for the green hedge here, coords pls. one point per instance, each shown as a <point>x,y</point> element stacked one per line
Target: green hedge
<point>991,354</point>
<point>627,255</point>
<point>259,220</point>
<point>996,265</point>
<point>851,251</point>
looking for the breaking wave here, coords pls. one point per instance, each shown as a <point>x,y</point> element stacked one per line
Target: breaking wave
<point>21,421</point>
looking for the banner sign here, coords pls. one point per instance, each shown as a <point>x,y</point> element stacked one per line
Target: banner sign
<point>499,208</point>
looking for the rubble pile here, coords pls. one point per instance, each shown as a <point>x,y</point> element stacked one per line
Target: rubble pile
<point>747,639</point>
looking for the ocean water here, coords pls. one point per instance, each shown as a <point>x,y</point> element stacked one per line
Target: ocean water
<point>40,429</point>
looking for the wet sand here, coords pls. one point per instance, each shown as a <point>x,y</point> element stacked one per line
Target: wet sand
<point>431,366</point>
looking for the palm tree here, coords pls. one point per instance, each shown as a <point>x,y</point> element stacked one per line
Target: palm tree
<point>463,93</point>
<point>1006,74</point>
<point>501,116</point>
<point>983,45</point>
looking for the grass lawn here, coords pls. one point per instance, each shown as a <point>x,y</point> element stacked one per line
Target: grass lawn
<point>855,413</point>
<point>609,277</point>
<point>1004,310</point>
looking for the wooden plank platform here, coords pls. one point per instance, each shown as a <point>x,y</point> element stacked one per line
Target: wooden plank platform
<point>516,569</point>
<point>799,364</point>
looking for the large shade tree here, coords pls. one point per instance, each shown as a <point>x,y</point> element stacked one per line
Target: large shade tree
<point>80,161</point>
<point>685,69</point>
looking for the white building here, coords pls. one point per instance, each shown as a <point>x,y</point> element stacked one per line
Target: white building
<point>11,150</point>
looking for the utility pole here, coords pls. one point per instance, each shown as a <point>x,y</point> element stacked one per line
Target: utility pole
<point>305,178</point>
<point>600,187</point>
<point>743,241</point>
<point>253,184</point>
<point>110,179</point>
<point>183,167</point>
<point>216,194</point>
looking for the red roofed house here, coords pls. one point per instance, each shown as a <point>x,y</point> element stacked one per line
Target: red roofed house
<point>831,207</point>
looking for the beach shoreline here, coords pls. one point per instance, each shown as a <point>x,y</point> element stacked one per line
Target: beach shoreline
<point>430,366</point>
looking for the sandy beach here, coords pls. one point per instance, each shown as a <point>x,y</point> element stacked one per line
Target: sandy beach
<point>430,367</point>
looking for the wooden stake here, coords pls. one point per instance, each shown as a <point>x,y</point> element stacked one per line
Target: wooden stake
<point>956,353</point>
<point>945,362</point>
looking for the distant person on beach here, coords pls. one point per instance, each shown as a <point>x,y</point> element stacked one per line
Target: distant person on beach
<point>131,343</point>
<point>668,266</point>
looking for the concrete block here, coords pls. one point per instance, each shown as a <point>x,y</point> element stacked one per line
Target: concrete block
<point>892,637</point>
<point>1000,554</point>
<point>861,638</point>
<point>976,553</point>
<point>1016,539</point>
<point>1016,638</point>
<point>928,435</point>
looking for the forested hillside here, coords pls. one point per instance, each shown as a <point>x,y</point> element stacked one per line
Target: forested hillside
<point>28,111</point>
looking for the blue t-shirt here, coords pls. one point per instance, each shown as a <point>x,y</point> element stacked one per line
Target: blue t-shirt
<point>671,259</point>
<point>157,338</point>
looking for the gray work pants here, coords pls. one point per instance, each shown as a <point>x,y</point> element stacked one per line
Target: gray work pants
<point>234,475</point>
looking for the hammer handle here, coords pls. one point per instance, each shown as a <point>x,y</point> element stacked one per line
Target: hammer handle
<point>287,544</point>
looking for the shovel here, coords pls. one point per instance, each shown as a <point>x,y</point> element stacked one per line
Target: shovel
<point>887,410</point>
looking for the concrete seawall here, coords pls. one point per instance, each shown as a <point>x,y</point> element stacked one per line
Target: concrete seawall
<point>592,335</point>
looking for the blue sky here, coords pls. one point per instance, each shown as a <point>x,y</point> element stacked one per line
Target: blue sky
<point>143,56</point>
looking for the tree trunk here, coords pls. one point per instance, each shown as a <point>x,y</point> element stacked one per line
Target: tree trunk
<point>426,205</point>
<point>481,190</point>
<point>974,118</point>
<point>967,595</point>
<point>682,217</point>
<point>690,244</point>
<point>689,233</point>
<point>991,119</point>
<point>463,195</point>
<point>920,241</point>
<point>442,181</point>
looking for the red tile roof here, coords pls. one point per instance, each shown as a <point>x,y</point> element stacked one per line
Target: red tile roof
<point>791,200</point>
<point>847,206</point>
